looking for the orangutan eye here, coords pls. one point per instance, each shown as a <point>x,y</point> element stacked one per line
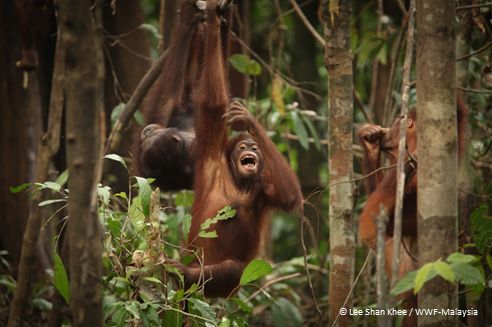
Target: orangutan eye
<point>254,148</point>
<point>242,146</point>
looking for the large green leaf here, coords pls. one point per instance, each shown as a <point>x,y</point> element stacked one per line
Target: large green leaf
<point>444,270</point>
<point>255,270</point>
<point>424,274</point>
<point>300,129</point>
<point>203,309</point>
<point>457,257</point>
<point>145,192</point>
<point>467,274</point>
<point>405,284</point>
<point>60,278</point>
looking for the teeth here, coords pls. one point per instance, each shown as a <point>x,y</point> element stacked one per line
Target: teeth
<point>248,161</point>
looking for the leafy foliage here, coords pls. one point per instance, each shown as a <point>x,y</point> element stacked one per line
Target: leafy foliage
<point>458,267</point>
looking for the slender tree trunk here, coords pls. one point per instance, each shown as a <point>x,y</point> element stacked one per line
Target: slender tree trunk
<point>84,106</point>
<point>338,61</point>
<point>48,146</point>
<point>15,145</point>
<point>167,20</point>
<point>437,154</point>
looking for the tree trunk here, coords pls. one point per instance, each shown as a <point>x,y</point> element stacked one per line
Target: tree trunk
<point>437,153</point>
<point>15,141</point>
<point>84,106</point>
<point>338,61</point>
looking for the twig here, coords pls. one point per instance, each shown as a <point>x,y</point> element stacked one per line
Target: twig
<point>483,48</point>
<point>289,81</point>
<point>381,223</point>
<point>306,22</point>
<point>394,60</point>
<point>363,177</point>
<point>369,255</point>
<point>400,169</point>
<point>464,89</point>
<point>308,274</point>
<point>477,5</point>
<point>272,282</point>
<point>132,105</point>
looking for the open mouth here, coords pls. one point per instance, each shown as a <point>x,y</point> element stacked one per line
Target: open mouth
<point>248,161</point>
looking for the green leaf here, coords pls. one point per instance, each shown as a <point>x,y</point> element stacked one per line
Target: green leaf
<point>444,270</point>
<point>116,113</point>
<point>245,307</point>
<point>153,280</point>
<point>243,64</point>
<point>489,261</point>
<point>203,308</point>
<point>117,158</point>
<point>138,118</point>
<point>60,278</point>
<point>122,195</point>
<point>286,314</point>
<point>405,284</point>
<point>225,213</point>
<point>19,188</point>
<point>145,193</point>
<point>42,304</point>
<point>45,203</point>
<point>461,258</point>
<point>481,227</point>
<point>62,178</point>
<point>132,307</point>
<point>49,185</point>
<point>312,132</point>
<point>255,270</point>
<point>184,199</point>
<point>212,234</point>
<point>192,289</point>
<point>119,317</point>
<point>225,322</point>
<point>186,225</point>
<point>9,282</point>
<point>104,193</point>
<point>300,130</point>
<point>467,274</point>
<point>172,318</point>
<point>254,68</point>
<point>424,274</point>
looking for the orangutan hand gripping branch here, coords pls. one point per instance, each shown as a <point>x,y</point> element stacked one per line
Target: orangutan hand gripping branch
<point>245,172</point>
<point>164,148</point>
<point>381,187</point>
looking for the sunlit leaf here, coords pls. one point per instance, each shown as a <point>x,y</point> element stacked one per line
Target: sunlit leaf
<point>19,188</point>
<point>256,269</point>
<point>117,158</point>
<point>45,203</point>
<point>444,270</point>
